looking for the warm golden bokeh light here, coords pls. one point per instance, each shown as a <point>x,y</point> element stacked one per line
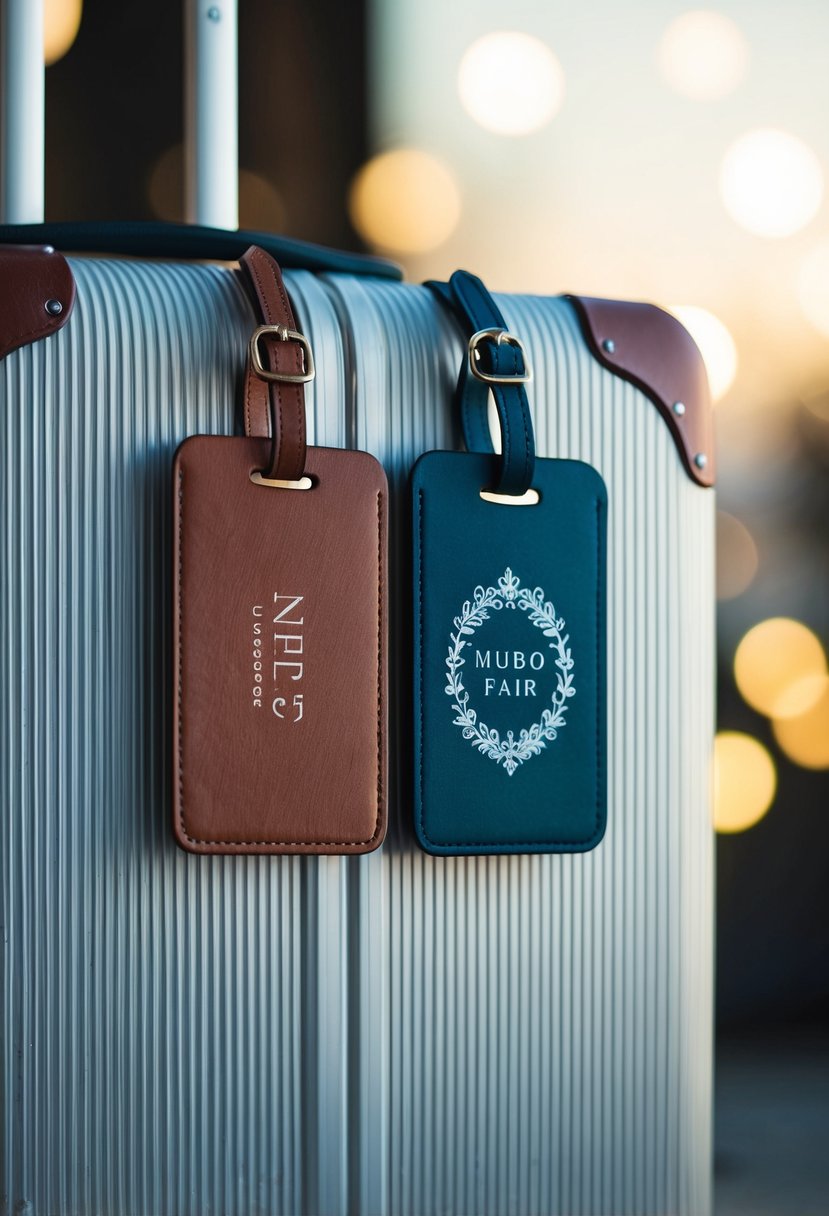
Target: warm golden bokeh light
<point>165,185</point>
<point>745,781</point>
<point>61,22</point>
<point>717,347</point>
<point>772,659</point>
<point>703,55</point>
<point>260,204</point>
<point>404,201</point>
<point>813,287</point>
<point>510,83</point>
<point>771,182</point>
<point>805,737</point>
<point>799,697</point>
<point>737,558</point>
<point>817,406</point>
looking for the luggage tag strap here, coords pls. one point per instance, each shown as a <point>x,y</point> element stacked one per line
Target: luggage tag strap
<point>496,361</point>
<point>280,364</point>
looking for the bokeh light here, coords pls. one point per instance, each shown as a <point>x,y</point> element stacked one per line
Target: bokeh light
<point>703,55</point>
<point>799,697</point>
<point>745,781</point>
<point>260,204</point>
<point>404,201</point>
<point>816,406</point>
<point>772,662</point>
<point>165,185</point>
<point>813,287</point>
<point>737,558</point>
<point>717,347</point>
<point>61,22</point>
<point>771,182</point>
<point>804,737</point>
<point>510,83</point>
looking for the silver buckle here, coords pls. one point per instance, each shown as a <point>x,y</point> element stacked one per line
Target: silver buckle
<point>285,335</point>
<point>498,336</point>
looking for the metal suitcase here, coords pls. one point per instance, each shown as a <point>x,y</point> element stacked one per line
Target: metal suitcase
<point>387,1035</point>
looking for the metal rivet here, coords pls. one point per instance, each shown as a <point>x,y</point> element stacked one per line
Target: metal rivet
<point>54,307</point>
<point>679,408</point>
<point>700,460</point>
<point>214,14</point>
<point>609,345</point>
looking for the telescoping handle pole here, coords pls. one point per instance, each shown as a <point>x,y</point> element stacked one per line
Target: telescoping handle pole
<point>211,112</point>
<point>21,105</point>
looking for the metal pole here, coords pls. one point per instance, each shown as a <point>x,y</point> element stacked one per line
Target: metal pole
<point>211,113</point>
<point>21,126</point>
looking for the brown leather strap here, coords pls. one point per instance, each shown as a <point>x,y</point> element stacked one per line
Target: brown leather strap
<point>275,408</point>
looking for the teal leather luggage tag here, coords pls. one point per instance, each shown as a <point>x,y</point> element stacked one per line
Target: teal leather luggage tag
<point>509,625</point>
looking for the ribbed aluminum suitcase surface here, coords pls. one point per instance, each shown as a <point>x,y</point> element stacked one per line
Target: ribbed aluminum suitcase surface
<point>392,1035</point>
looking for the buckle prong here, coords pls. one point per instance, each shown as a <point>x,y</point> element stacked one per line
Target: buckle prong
<point>498,336</point>
<point>285,335</point>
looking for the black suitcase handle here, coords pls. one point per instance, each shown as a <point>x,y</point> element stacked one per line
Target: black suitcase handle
<point>190,241</point>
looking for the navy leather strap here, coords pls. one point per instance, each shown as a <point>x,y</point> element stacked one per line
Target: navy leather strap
<point>475,308</point>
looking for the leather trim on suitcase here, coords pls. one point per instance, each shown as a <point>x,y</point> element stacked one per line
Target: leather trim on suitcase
<point>37,297</point>
<point>649,347</point>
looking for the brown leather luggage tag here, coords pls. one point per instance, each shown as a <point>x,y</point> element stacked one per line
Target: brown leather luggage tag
<point>279,621</point>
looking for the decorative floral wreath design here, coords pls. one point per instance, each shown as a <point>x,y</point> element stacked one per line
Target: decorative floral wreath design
<point>510,751</point>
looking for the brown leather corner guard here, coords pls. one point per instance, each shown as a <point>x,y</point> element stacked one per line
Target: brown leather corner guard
<point>650,348</point>
<point>37,292</point>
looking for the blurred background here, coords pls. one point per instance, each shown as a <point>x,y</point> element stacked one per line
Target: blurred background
<point>642,150</point>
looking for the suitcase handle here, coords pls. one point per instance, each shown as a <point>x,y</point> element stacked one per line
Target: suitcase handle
<point>188,241</point>
<point>210,112</point>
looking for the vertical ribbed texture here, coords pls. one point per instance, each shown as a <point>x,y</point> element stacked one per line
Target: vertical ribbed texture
<point>394,1034</point>
<point>154,1048</point>
<point>546,1021</point>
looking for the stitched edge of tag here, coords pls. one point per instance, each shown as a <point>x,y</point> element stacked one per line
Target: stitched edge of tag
<point>494,846</point>
<point>283,844</point>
